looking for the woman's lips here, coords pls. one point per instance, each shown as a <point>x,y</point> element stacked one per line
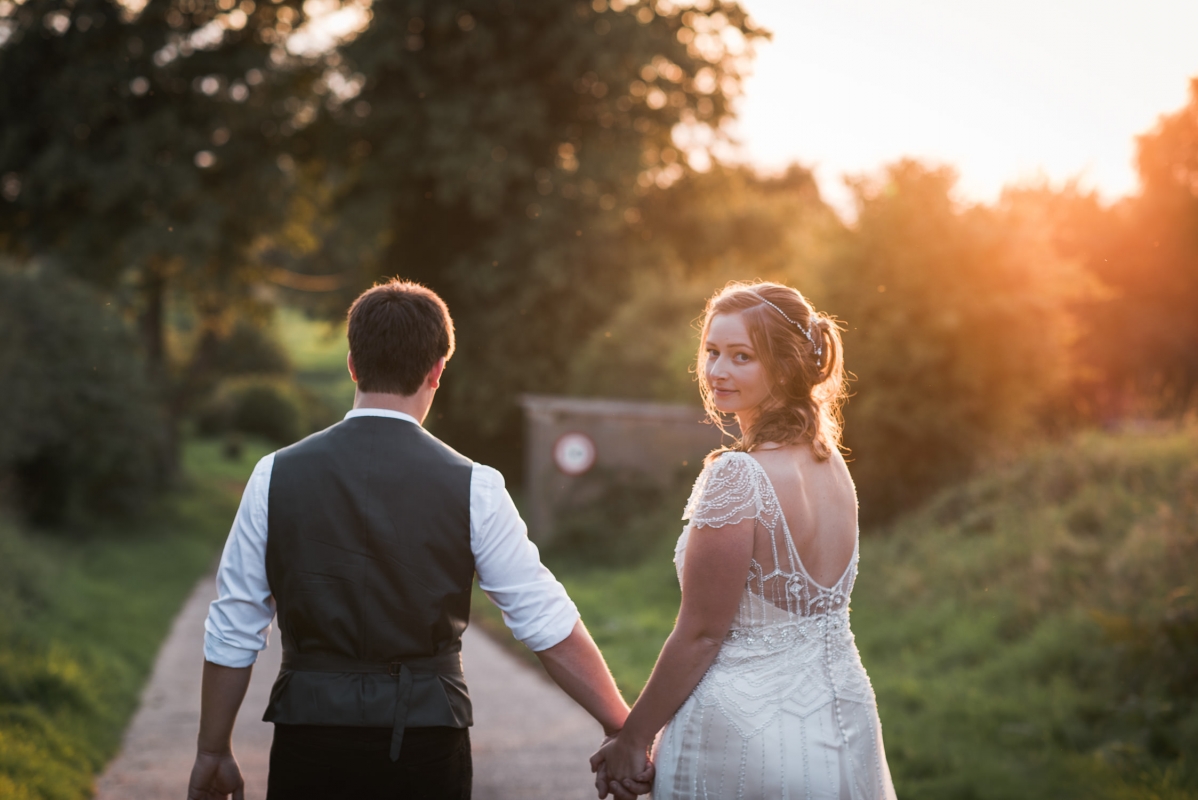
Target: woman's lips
<point>723,392</point>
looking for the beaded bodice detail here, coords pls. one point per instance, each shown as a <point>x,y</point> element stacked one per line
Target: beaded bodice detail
<point>790,644</point>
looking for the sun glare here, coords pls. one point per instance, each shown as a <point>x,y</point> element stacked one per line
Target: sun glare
<point>1004,91</point>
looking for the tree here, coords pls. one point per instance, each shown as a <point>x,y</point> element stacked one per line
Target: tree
<point>1142,336</point>
<point>958,331</point>
<point>703,231</point>
<point>499,154</point>
<point>141,149</point>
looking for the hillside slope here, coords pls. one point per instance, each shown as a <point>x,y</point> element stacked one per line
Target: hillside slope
<point>1034,632</point>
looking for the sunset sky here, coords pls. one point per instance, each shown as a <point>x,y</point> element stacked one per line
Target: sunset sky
<point>1001,90</point>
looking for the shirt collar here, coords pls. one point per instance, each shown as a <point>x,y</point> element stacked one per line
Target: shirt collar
<point>380,412</point>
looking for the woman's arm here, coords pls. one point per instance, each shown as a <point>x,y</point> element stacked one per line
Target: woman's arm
<point>714,571</point>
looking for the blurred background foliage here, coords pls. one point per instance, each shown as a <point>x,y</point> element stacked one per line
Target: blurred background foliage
<point>192,191</point>
<point>551,174</point>
<point>80,423</point>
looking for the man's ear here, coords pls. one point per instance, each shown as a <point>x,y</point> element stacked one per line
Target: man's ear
<point>349,363</point>
<point>434,374</point>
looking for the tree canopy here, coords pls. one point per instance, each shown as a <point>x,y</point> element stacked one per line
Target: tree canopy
<point>138,148</point>
<point>502,155</point>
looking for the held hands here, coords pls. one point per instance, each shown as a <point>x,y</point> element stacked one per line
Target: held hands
<point>622,768</point>
<point>215,776</point>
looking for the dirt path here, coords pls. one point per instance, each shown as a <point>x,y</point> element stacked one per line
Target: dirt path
<point>530,741</point>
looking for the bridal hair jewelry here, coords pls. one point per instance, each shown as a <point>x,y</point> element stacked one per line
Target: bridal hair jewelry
<point>819,348</point>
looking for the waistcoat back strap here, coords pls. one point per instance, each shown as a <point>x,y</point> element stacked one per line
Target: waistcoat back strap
<point>445,664</point>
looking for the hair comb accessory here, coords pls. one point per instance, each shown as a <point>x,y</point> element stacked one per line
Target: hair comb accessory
<point>819,347</point>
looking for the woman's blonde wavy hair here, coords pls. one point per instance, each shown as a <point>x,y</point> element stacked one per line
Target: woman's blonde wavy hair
<point>806,391</point>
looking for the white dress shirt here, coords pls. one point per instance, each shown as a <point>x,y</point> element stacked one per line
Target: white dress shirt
<point>535,605</point>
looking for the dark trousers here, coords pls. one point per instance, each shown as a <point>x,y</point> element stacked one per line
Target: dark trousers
<point>320,762</point>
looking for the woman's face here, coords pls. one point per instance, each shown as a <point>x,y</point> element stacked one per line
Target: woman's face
<point>736,376</point>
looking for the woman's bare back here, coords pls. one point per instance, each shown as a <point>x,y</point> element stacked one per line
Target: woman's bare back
<point>819,503</point>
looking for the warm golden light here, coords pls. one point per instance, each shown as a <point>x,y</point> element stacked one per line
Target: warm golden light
<point>1003,91</point>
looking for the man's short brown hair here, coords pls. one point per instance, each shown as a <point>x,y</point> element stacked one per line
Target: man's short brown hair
<point>397,331</point>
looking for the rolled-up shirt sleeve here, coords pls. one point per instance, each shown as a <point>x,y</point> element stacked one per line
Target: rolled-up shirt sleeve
<point>238,623</point>
<point>534,603</point>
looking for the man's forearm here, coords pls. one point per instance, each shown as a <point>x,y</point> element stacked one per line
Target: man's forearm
<point>221,694</point>
<point>576,665</point>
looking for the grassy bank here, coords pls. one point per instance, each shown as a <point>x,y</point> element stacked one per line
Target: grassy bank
<point>82,614</point>
<point>1032,633</point>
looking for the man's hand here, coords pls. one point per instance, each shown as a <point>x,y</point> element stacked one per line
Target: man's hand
<point>215,776</point>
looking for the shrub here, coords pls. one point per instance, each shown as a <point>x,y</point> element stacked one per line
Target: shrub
<point>275,409</point>
<point>248,350</point>
<point>81,430</point>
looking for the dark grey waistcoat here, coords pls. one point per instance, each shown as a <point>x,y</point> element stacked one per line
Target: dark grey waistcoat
<point>368,558</point>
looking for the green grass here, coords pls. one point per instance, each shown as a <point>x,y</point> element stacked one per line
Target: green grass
<point>1032,633</point>
<point>82,616</point>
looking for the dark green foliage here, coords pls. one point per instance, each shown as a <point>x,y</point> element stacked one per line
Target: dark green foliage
<point>81,621</point>
<point>248,350</point>
<point>498,152</point>
<point>277,410</point>
<point>264,411</point>
<point>80,430</point>
<point>140,149</point>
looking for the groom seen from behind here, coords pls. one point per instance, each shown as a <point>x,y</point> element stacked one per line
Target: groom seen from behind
<point>365,538</point>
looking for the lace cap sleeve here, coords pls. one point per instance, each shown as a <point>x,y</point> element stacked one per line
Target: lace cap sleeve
<point>726,492</point>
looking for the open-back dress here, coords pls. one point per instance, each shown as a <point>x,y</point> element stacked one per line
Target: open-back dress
<point>786,709</point>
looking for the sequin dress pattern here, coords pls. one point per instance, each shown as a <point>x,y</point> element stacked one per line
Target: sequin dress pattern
<point>786,709</point>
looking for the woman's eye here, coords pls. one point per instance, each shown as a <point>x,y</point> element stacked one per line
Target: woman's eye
<point>741,357</point>
<point>713,354</point>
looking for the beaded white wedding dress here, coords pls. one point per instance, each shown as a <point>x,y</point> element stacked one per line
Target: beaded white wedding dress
<point>786,709</point>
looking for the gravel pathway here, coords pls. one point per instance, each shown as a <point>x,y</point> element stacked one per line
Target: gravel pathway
<point>530,741</point>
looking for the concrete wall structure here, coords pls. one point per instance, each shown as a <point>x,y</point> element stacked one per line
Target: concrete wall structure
<point>567,437</point>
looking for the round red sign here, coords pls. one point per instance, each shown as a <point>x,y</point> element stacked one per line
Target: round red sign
<point>574,453</point>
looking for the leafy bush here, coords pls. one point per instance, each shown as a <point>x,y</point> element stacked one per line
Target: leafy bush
<point>275,409</point>
<point>248,350</point>
<point>80,427</point>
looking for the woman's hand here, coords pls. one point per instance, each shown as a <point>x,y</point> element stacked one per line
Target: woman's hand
<point>622,767</point>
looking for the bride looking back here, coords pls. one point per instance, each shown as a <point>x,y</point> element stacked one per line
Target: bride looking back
<point>759,691</point>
